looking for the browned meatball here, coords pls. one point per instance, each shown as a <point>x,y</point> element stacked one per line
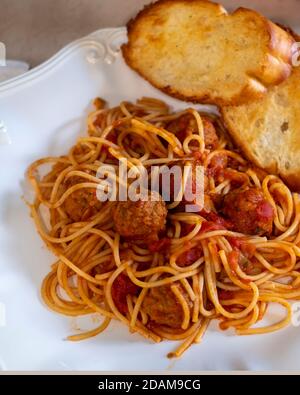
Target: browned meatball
<point>186,125</point>
<point>81,204</point>
<point>140,220</point>
<point>249,211</point>
<point>163,307</point>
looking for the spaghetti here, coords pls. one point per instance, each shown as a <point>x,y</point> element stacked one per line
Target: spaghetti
<point>228,261</point>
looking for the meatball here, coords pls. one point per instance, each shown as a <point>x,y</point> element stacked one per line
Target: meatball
<point>249,211</point>
<point>163,307</point>
<point>210,135</point>
<point>141,220</point>
<point>186,125</point>
<point>81,204</point>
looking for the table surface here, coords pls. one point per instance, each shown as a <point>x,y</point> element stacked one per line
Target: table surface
<point>33,30</point>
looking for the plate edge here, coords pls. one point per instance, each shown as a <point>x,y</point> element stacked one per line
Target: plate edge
<point>101,40</point>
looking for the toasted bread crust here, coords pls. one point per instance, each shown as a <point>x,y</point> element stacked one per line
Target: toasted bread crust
<point>273,68</point>
<point>267,131</point>
<point>148,8</point>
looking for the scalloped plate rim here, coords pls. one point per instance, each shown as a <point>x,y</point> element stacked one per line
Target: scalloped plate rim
<point>58,57</point>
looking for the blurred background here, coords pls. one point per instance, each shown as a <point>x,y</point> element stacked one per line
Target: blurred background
<point>33,30</point>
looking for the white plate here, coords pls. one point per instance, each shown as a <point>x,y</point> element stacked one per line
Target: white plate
<point>43,111</point>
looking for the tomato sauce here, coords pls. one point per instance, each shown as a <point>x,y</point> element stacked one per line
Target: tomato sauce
<point>123,286</point>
